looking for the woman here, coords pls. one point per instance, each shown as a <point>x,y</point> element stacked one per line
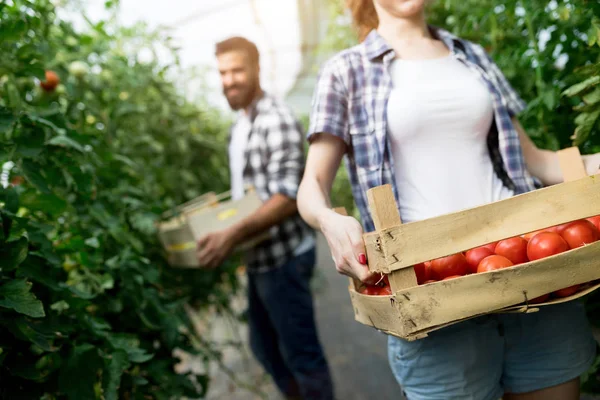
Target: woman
<point>432,115</point>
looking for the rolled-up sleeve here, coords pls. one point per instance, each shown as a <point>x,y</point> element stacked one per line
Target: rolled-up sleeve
<point>329,110</point>
<point>285,153</point>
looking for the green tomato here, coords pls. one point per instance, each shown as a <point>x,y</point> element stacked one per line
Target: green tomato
<point>71,41</point>
<point>78,69</point>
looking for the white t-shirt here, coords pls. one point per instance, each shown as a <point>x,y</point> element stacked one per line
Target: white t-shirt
<point>237,159</point>
<point>439,116</point>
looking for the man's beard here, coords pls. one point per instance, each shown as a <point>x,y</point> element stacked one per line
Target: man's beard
<point>244,97</point>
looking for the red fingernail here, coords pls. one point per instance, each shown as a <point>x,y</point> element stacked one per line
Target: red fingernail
<point>362,259</point>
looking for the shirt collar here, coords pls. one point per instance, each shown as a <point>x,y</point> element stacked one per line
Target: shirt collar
<point>260,104</point>
<point>376,46</point>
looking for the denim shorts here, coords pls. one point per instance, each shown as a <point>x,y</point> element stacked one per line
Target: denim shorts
<point>482,358</point>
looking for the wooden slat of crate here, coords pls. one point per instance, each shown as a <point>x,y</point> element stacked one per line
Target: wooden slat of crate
<point>417,309</point>
<point>411,243</point>
<point>225,214</point>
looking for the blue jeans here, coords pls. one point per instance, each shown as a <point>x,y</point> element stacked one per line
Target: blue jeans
<point>481,358</point>
<point>283,333</point>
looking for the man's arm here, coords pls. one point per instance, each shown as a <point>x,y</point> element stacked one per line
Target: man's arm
<point>273,212</point>
<point>284,168</point>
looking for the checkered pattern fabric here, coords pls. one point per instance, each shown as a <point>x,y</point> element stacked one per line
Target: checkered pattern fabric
<point>274,164</point>
<point>350,102</point>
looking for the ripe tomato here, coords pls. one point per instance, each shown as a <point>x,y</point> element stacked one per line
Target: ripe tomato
<point>560,228</point>
<point>474,257</point>
<point>491,246</point>
<point>530,235</point>
<point>515,249</point>
<point>456,264</point>
<point>579,233</point>
<point>545,244</point>
<point>595,220</point>
<point>452,277</point>
<point>371,290</point>
<point>566,292</point>
<point>52,80</point>
<point>429,281</point>
<point>385,291</point>
<point>422,272</point>
<point>540,299</point>
<point>494,262</point>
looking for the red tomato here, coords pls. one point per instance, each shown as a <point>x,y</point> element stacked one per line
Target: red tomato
<point>579,233</point>
<point>494,262</point>
<point>515,249</point>
<point>566,292</point>
<point>429,281</point>
<point>540,299</point>
<point>385,291</point>
<point>545,244</point>
<point>560,228</point>
<point>530,235</point>
<point>371,290</point>
<point>474,257</point>
<point>52,80</point>
<point>422,272</point>
<point>595,220</point>
<point>452,277</point>
<point>491,246</point>
<point>456,264</point>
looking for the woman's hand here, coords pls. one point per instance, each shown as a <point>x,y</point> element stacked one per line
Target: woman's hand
<point>344,236</point>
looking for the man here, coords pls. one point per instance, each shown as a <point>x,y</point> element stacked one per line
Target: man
<point>266,151</point>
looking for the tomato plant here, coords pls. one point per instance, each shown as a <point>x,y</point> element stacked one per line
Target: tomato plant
<point>89,308</point>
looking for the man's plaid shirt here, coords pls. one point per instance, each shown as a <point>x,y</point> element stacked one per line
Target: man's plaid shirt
<point>274,163</point>
<point>350,102</point>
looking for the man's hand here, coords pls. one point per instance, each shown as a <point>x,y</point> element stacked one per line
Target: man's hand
<point>214,248</point>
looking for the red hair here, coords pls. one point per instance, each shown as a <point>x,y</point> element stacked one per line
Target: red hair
<point>364,16</point>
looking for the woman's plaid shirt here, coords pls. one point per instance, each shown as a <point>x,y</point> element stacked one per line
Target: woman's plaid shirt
<point>350,102</point>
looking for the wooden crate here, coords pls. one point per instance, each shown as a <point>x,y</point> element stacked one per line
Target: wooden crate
<point>414,310</point>
<point>205,214</point>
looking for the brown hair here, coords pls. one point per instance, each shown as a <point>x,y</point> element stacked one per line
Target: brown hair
<point>238,43</point>
<point>364,16</point>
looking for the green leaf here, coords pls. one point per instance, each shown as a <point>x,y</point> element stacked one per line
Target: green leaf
<point>7,119</point>
<point>42,121</point>
<point>593,97</point>
<point>79,375</point>
<point>60,306</point>
<point>93,242</point>
<point>66,142</point>
<point>48,203</point>
<point>34,332</point>
<point>37,269</point>
<point>30,141</point>
<point>16,295</point>
<point>12,254</point>
<point>582,86</point>
<point>115,364</point>
<point>549,100</point>
<point>585,123</point>
<point>31,170</point>
<point>130,344</point>
<point>10,198</point>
